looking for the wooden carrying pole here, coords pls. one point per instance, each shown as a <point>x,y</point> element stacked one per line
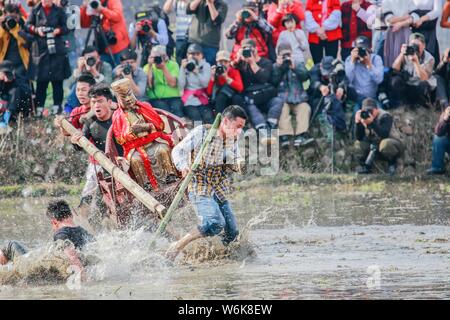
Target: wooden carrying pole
<point>136,190</point>
<point>212,132</point>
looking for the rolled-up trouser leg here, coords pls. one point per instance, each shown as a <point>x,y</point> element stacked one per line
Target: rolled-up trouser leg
<point>391,149</point>
<point>255,114</point>
<point>231,228</point>
<point>274,108</point>
<point>211,219</point>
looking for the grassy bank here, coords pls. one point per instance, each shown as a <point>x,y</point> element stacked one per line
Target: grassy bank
<point>371,183</point>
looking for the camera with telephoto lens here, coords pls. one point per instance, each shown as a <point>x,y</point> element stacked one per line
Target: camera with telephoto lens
<point>9,23</point>
<point>127,69</point>
<point>384,99</point>
<point>50,39</point>
<point>365,114</point>
<point>286,61</point>
<point>220,70</point>
<point>158,60</point>
<point>412,50</point>
<point>362,52</point>
<point>247,52</point>
<point>94,4</point>
<point>146,25</point>
<point>111,37</point>
<point>245,15</point>
<point>190,66</point>
<point>91,61</point>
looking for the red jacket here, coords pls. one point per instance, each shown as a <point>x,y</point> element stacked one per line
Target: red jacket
<point>76,114</point>
<point>237,83</point>
<point>315,7</point>
<point>253,33</point>
<point>113,19</point>
<point>274,17</point>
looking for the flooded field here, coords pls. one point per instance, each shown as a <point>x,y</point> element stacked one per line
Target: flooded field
<point>376,240</point>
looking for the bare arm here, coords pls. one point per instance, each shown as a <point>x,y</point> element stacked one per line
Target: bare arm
<point>194,5</point>
<point>212,10</point>
<point>168,6</point>
<point>171,80</point>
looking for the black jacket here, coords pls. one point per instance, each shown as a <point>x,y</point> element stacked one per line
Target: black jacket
<point>44,66</point>
<point>378,130</point>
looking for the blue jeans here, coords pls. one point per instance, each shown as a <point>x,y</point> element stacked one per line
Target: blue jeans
<point>71,101</point>
<point>441,145</point>
<point>215,216</point>
<point>210,54</point>
<point>272,108</point>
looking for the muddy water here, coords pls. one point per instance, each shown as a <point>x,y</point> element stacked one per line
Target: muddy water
<point>388,241</point>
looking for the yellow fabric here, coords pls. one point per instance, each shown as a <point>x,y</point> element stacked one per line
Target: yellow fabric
<point>21,42</point>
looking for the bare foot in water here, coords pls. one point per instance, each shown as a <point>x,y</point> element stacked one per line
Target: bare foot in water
<point>172,252</point>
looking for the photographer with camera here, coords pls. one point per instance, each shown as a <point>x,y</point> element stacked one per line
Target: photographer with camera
<point>376,136</point>
<point>149,30</point>
<point>442,75</point>
<point>206,25</point>
<point>289,75</point>
<point>49,60</point>
<point>129,68</point>
<point>259,93</point>
<point>14,47</point>
<point>364,71</point>
<point>162,84</point>
<point>193,81</point>
<point>250,25</point>
<point>412,81</point>
<point>327,92</point>
<point>10,93</point>
<point>441,143</point>
<point>182,24</point>
<point>225,83</point>
<point>89,63</point>
<point>111,35</point>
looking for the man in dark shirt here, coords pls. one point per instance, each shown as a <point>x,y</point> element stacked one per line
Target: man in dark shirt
<point>206,26</point>
<point>259,94</point>
<point>65,229</point>
<point>441,143</point>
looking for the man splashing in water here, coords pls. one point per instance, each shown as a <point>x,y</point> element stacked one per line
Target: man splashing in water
<point>211,183</point>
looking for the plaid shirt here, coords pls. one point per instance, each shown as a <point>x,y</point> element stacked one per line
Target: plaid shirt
<point>213,174</point>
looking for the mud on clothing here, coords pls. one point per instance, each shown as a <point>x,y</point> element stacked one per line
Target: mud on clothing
<point>13,249</point>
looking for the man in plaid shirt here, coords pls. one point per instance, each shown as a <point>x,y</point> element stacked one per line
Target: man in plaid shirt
<point>211,183</point>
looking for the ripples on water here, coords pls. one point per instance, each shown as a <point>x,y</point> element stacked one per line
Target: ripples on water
<point>314,243</point>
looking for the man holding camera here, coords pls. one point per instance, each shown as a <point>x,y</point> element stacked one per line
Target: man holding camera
<point>289,75</point>
<point>149,30</point>
<point>441,143</point>
<point>250,25</point>
<point>259,94</point>
<point>376,136</point>
<point>206,25</point>
<point>162,83</point>
<point>412,81</point>
<point>328,92</point>
<point>225,83</point>
<point>108,14</point>
<point>129,69</point>
<point>89,63</point>
<point>442,75</point>
<point>364,71</point>
<point>14,43</point>
<point>50,63</point>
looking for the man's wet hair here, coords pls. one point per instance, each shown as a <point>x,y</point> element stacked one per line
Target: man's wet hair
<point>99,90</point>
<point>59,210</point>
<point>234,111</point>
<point>86,78</point>
<point>88,49</point>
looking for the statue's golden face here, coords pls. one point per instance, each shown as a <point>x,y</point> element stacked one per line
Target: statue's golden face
<point>124,94</point>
